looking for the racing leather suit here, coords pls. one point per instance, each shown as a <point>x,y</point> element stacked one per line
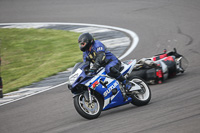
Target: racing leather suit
<point>101,57</point>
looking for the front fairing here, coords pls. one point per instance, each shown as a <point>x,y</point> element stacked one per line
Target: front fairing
<point>82,79</point>
<point>78,77</point>
<point>110,100</point>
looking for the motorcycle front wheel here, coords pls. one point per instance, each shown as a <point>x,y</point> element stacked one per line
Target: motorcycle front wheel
<point>143,96</point>
<point>86,109</point>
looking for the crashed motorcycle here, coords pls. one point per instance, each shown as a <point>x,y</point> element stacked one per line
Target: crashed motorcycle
<point>157,69</point>
<point>93,94</point>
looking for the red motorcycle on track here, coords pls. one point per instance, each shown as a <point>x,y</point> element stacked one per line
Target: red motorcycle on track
<point>157,69</point>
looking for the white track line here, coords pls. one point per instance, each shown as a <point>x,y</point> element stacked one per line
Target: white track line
<point>132,34</point>
<point>34,94</point>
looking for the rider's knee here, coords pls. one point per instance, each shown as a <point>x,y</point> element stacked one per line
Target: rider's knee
<point>113,72</point>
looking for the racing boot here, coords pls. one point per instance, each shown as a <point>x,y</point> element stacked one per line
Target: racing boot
<point>127,85</point>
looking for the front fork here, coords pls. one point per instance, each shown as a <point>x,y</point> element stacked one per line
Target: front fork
<point>88,96</point>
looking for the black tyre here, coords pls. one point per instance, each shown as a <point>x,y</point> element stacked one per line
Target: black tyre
<point>86,110</point>
<point>140,73</point>
<point>143,96</point>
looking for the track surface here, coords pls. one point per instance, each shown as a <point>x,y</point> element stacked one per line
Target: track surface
<point>175,105</point>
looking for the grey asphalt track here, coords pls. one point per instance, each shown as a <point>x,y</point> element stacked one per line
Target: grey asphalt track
<point>175,105</point>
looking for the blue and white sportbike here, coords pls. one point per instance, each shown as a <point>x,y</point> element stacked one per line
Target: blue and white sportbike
<point>92,94</point>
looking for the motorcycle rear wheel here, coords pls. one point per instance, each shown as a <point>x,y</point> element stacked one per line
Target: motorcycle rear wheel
<point>87,110</point>
<point>143,96</point>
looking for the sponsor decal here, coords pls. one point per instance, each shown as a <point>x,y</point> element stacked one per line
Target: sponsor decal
<point>99,49</point>
<point>95,84</point>
<point>110,88</point>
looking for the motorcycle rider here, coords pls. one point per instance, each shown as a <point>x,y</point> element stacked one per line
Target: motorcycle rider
<point>95,52</point>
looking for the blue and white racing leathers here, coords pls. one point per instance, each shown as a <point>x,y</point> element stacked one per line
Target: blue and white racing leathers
<point>101,57</point>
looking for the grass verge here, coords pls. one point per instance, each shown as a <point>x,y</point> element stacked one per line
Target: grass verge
<point>30,55</point>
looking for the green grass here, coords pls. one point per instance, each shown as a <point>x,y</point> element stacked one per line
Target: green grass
<point>30,55</point>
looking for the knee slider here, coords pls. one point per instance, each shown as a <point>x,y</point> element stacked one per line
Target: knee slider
<point>114,70</point>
